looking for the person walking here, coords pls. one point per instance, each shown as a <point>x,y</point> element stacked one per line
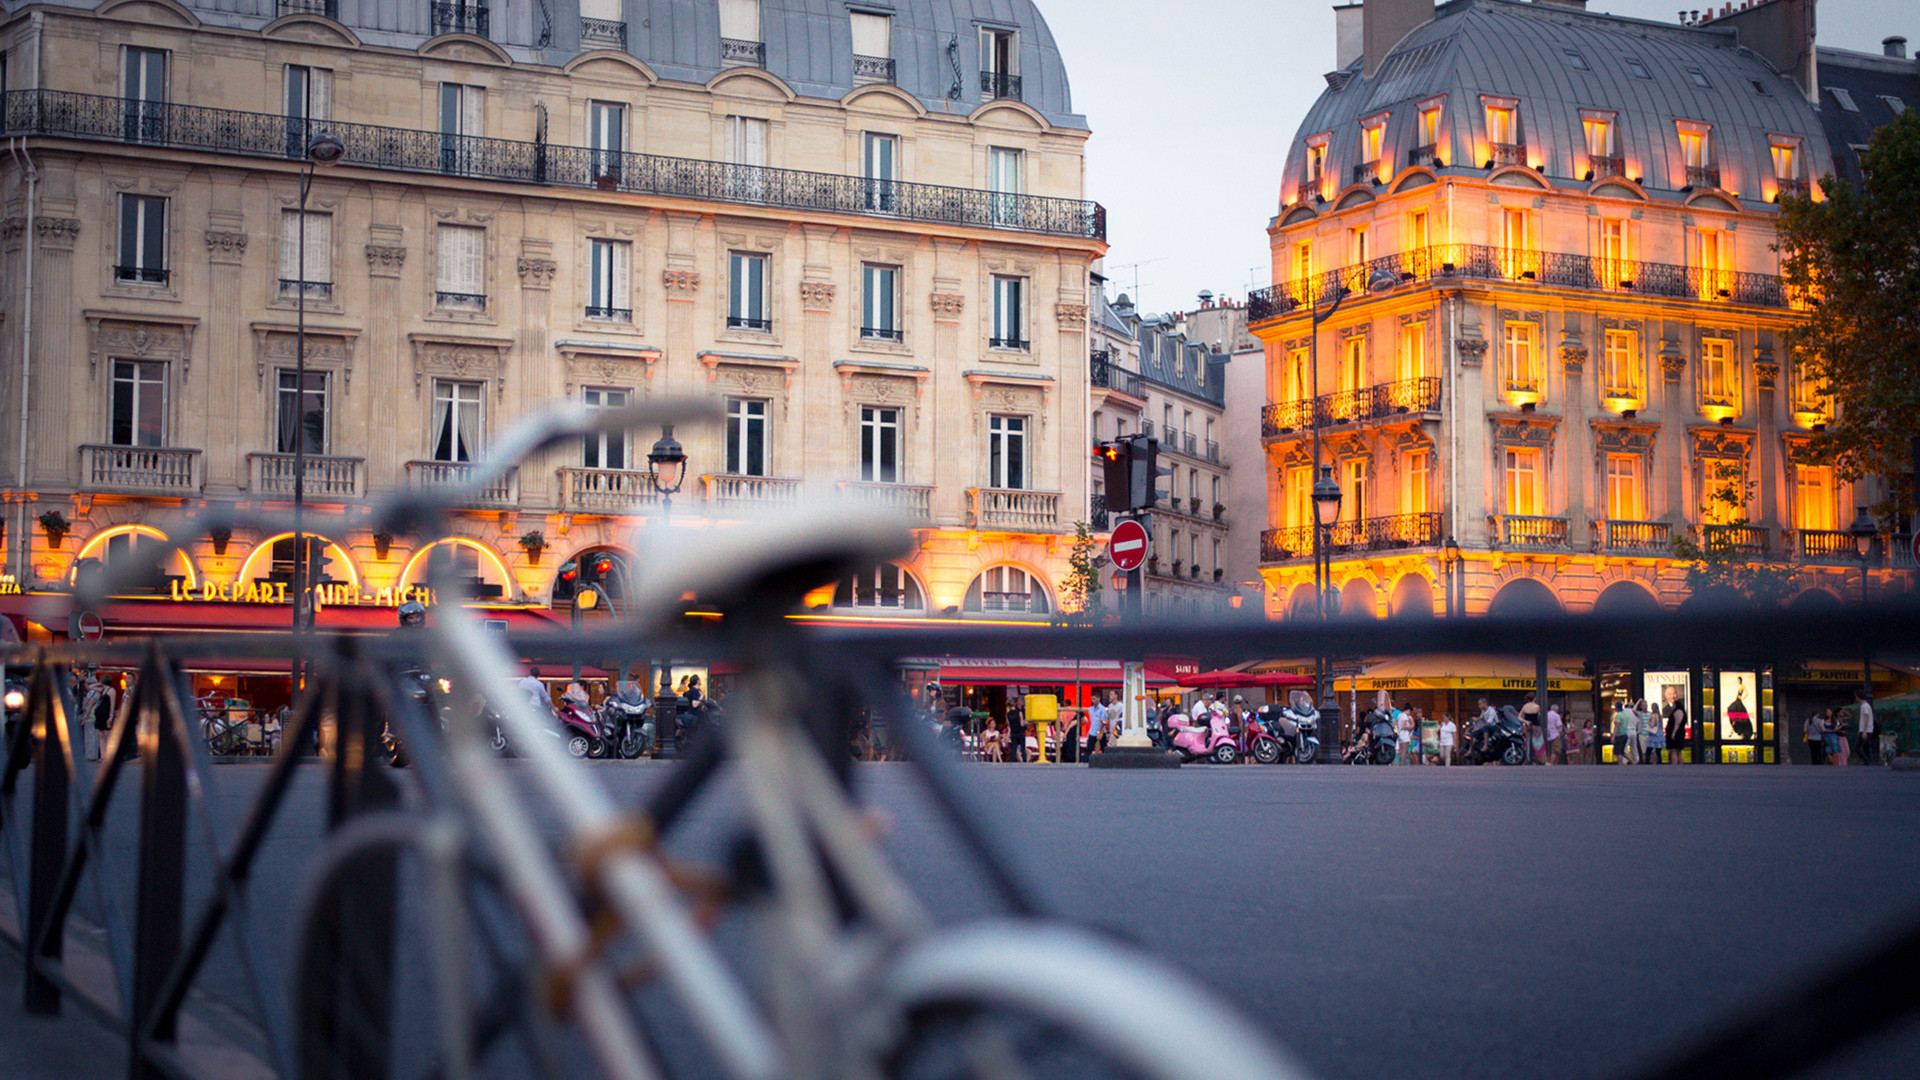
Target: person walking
<point>96,715</point>
<point>1449,733</point>
<point>1623,733</point>
<point>1402,737</point>
<point>1016,731</point>
<point>1653,735</point>
<point>1836,739</point>
<point>1865,730</point>
<point>1816,736</point>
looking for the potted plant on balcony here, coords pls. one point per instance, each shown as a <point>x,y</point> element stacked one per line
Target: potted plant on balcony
<point>1194,571</point>
<point>1177,564</point>
<point>1193,504</point>
<point>533,543</point>
<point>382,543</point>
<point>1219,511</point>
<point>1219,573</point>
<point>57,527</point>
<point>221,536</point>
<point>1153,564</point>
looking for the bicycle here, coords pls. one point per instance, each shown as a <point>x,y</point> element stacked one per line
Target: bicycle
<point>854,977</point>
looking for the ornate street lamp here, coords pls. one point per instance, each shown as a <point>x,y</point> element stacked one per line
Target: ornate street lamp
<point>325,150</point>
<point>1326,511</point>
<point>1450,562</point>
<point>669,464</point>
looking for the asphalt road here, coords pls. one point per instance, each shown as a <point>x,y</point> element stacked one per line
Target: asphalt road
<point>1411,922</point>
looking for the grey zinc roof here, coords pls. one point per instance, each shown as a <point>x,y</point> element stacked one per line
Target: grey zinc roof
<point>1503,48</point>
<point>1868,79</point>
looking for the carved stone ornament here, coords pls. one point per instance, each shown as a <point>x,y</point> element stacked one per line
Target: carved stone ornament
<point>226,245</point>
<point>11,229</point>
<point>680,284</point>
<point>57,232</point>
<point>1673,365</point>
<point>1574,358</point>
<point>1071,316</point>
<point>139,337</point>
<point>1614,438</point>
<point>1721,443</point>
<point>275,345</point>
<point>594,367</point>
<point>537,273</point>
<point>1524,430</point>
<point>1799,449</point>
<point>816,295</point>
<point>386,260</point>
<point>479,359</point>
<point>1472,350</point>
<point>948,305</point>
<point>1767,374</point>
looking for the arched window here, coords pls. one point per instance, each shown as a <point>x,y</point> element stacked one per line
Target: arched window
<point>883,586</point>
<point>1007,590</point>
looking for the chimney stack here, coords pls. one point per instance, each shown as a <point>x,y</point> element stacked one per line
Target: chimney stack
<point>1782,33</point>
<point>1384,22</point>
<point>1895,47</point>
<point>1346,35</point>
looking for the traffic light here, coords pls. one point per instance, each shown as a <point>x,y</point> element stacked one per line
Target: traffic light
<point>1131,469</point>
<point>1116,459</point>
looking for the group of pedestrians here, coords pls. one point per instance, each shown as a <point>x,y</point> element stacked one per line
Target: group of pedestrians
<point>1826,734</point>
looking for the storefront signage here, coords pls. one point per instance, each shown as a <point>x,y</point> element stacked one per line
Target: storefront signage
<point>275,592</point>
<point>9,585</point>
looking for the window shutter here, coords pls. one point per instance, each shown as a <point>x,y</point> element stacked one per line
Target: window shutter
<point>622,276</point>
<point>320,247</point>
<point>871,34</point>
<point>319,94</point>
<point>154,253</point>
<point>289,245</point>
<point>473,103</point>
<point>756,147</point>
<point>476,244</point>
<point>446,271</point>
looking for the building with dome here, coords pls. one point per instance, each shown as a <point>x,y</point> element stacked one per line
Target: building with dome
<point>1557,343</point>
<point>859,230</point>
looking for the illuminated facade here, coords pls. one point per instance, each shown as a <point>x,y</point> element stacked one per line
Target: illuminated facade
<point>860,234</point>
<point>1561,330</point>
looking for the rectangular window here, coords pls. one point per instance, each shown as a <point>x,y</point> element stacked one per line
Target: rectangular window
<point>1430,125</point>
<point>1007,452</point>
<point>609,280</point>
<point>1357,252</point>
<point>462,122</point>
<point>879,291</point>
<point>1299,496</point>
<point>1814,506</point>
<point>1302,261</point>
<point>460,268</point>
<point>139,406</point>
<point>878,156</point>
<point>458,418</point>
<point>1372,138</point>
<point>1316,163</point>
<point>143,240</point>
<point>1418,236</point>
<point>1009,318</point>
<point>301,417</point>
<point>1522,356</point>
<point>308,101</point>
<point>1720,383</point>
<point>1575,60</point>
<point>999,55</point>
<point>1353,363</point>
<point>1517,258</point>
<point>1005,180</point>
<point>1620,369</point>
<point>1624,501</point>
<point>1638,69</point>
<point>1699,78</point>
<point>747,436</point>
<point>1216,488</point>
<point>1523,494</point>
<point>1416,475</point>
<point>1500,127</point>
<point>606,138</point>
<point>605,449</point>
<point>143,85</point>
<point>1298,381</point>
<point>318,270</point>
<point>879,445</point>
<point>747,292</point>
<point>1616,272</point>
<point>1413,351</point>
<point>1354,506</point>
<point>746,141</point>
<point>1723,491</point>
<point>1786,159</point>
<point>740,20</point>
<point>1599,131</point>
<point>1715,282</point>
<point>1696,149</point>
<point>872,35</point>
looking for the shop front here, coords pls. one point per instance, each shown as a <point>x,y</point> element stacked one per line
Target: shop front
<point>1454,683</point>
<point>1711,714</point>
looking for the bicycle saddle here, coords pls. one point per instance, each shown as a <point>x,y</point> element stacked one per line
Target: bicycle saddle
<point>766,564</point>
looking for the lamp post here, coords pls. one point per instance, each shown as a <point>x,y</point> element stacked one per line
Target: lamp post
<point>324,149</point>
<point>1450,562</point>
<point>669,471</point>
<point>1326,511</point>
<point>1864,534</point>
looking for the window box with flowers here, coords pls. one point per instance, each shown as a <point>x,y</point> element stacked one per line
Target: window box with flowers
<point>57,527</point>
<point>1219,511</point>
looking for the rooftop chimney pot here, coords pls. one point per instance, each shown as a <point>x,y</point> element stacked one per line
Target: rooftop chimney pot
<point>1895,46</point>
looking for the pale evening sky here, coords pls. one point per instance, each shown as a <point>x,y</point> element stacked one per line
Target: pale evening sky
<point>1192,107</point>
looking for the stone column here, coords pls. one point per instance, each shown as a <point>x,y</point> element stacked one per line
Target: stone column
<point>1578,435</point>
<point>1766,453</point>
<point>682,372</point>
<point>59,421</point>
<point>952,452</point>
<point>390,422</point>
<point>526,369</point>
<point>220,429</point>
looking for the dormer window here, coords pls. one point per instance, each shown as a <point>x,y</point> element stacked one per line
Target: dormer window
<point>740,41</point>
<point>1426,150</point>
<point>1699,78</point>
<point>1602,144</point>
<point>999,64</point>
<point>1315,168</point>
<point>1575,60</point>
<point>1845,98</point>
<point>1786,166</point>
<point>1504,145</point>
<point>872,48</point>
<point>1373,133</point>
<point>1696,153</point>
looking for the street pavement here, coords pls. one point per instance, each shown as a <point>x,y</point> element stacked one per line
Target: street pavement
<point>1407,922</point>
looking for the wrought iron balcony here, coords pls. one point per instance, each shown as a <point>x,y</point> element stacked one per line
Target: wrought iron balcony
<point>608,32</point>
<point>1003,508</point>
<point>999,84</point>
<point>1353,537</point>
<point>452,17</point>
<point>1387,400</point>
<point>96,118</point>
<point>1018,344</point>
<point>1104,374</point>
<point>1601,166</point>
<point>1900,549</point>
<point>1785,189</point>
<point>1617,537</point>
<point>881,333</point>
<point>326,477</point>
<point>1442,263</point>
<point>317,290</point>
<point>737,53</point>
<point>1703,176</point>
<point>914,500</point>
<point>143,470</point>
<point>142,275</point>
<point>1751,540</point>
<point>327,8</point>
<point>1213,452</point>
<point>873,69</point>
<point>1424,155</point>
<point>503,493</point>
<point>473,301</point>
<point>611,314</point>
<point>1307,191</point>
<point>1507,153</point>
<point>1367,170</point>
<point>606,491</point>
<point>748,322</point>
<point>1531,532</point>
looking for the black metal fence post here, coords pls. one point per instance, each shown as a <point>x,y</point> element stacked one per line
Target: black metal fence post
<point>45,717</point>
<point>160,892</point>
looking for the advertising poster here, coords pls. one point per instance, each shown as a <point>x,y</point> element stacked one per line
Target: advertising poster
<point>1741,712</point>
<point>1666,691</point>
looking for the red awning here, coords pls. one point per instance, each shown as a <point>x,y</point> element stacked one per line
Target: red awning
<point>1222,679</point>
<point>990,671</point>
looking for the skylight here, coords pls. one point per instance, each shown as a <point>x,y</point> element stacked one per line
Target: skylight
<point>1699,78</point>
<point>1579,62</point>
<point>1894,104</point>
<point>1639,69</point>
<point>1845,99</point>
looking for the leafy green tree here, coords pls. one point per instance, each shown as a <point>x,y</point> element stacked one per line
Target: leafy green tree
<point>1718,569</point>
<point>1080,592</point>
<point>1856,254</point>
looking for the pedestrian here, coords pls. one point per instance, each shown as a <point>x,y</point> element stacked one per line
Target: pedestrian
<point>1865,729</point>
<point>1449,733</point>
<point>1673,711</point>
<point>992,741</point>
<point>1623,733</point>
<point>96,715</point>
<point>1016,731</point>
<point>1836,737</point>
<point>1653,735</point>
<point>1402,737</point>
<point>1816,736</point>
<point>1555,735</point>
<point>1536,740</point>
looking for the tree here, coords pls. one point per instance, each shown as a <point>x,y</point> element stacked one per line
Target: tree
<point>1857,254</point>
<point>1080,592</point>
<point>1716,569</point>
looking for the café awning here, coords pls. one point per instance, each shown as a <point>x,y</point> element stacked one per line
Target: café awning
<point>1229,678</point>
<point>995,671</point>
<point>1462,671</point>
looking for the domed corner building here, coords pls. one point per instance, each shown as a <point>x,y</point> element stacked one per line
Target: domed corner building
<point>859,231</point>
<point>1562,319</point>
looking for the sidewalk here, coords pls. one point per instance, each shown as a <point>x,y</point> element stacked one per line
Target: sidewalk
<point>61,1047</point>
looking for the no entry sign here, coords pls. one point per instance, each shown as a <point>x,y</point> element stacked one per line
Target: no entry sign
<point>1128,545</point>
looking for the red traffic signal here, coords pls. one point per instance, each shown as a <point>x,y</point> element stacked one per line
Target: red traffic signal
<point>603,565</point>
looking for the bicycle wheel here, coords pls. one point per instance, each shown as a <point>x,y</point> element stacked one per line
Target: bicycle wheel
<point>214,731</point>
<point>1024,999</point>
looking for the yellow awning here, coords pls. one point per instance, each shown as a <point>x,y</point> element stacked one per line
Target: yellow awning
<point>1463,671</point>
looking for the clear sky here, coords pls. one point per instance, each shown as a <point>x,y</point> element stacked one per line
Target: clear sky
<point>1192,106</point>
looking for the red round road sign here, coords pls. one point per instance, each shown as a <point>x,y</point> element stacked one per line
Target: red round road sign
<point>1128,545</point>
<point>1916,547</point>
<point>90,626</point>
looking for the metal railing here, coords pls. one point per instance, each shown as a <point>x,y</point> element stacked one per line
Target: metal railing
<point>1602,166</point>
<point>142,275</point>
<point>328,8</point>
<point>1754,540</point>
<point>1187,444</point>
<point>1104,374</point>
<point>999,84</point>
<point>732,489</point>
<point>1369,403</point>
<point>603,32</point>
<point>426,475</point>
<point>320,290</point>
<point>1632,537</point>
<point>1703,176</point>
<point>1447,262</point>
<point>453,17</point>
<point>736,52</point>
<point>1508,153</point>
<point>873,68</point>
<point>1353,536</point>
<point>1213,450</point>
<point>1367,170</point>
<point>1827,546</point>
<point>1899,548</point>
<point>154,470</point>
<point>1306,191</point>
<point>461,300</point>
<point>882,333</point>
<point>1006,508</point>
<point>1424,155</point>
<point>605,491</point>
<point>327,477</point>
<point>612,314</point>
<point>915,500</point>
<point>1532,532</point>
<point>94,117</point>
<point>1017,344</point>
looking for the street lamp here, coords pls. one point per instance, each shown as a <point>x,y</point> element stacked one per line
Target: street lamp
<point>1864,533</point>
<point>324,149</point>
<point>669,464</point>
<point>1450,562</point>
<point>1326,511</point>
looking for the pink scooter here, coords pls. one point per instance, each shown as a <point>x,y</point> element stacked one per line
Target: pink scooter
<point>1213,742</point>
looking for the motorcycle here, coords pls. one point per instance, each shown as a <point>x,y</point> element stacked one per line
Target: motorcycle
<point>1504,740</point>
<point>585,737</point>
<point>1378,745</point>
<point>1213,742</point>
<point>1289,732</point>
<point>624,717</point>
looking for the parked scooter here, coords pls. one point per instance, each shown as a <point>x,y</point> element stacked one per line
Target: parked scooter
<point>624,717</point>
<point>1289,732</point>
<point>1377,745</point>
<point>585,737</point>
<point>1194,743</point>
<point>1504,740</point>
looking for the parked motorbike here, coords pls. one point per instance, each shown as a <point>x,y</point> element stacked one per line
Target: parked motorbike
<point>624,717</point>
<point>1379,743</point>
<point>1291,731</point>
<point>585,737</point>
<point>1214,742</point>
<point>1504,740</point>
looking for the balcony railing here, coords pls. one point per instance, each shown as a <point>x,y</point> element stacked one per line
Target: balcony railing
<point>318,290</point>
<point>748,322</point>
<point>873,69</point>
<point>1104,374</point>
<point>1002,508</point>
<point>1097,517</point>
<point>328,8</point>
<point>1396,533</point>
<point>1213,450</point>
<point>1899,548</point>
<point>1784,189</point>
<point>1421,395</point>
<point>1508,153</point>
<point>1827,546</point>
<point>326,477</point>
<point>608,32</point>
<point>1188,443</point>
<point>147,470</point>
<point>1306,191</point>
<point>1751,540</point>
<point>913,500</point>
<point>225,131</point>
<point>1366,170</point>
<point>1424,155</point>
<point>999,84</point>
<point>1448,262</point>
<point>1530,532</point>
<point>433,475</point>
<point>731,490</point>
<point>1703,176</point>
<point>1601,166</point>
<point>611,314</point>
<point>605,491</point>
<point>1009,343</point>
<point>737,53</point>
<point>142,275</point>
<point>881,333</point>
<point>1632,537</point>
<point>457,18</point>
<point>474,301</point>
